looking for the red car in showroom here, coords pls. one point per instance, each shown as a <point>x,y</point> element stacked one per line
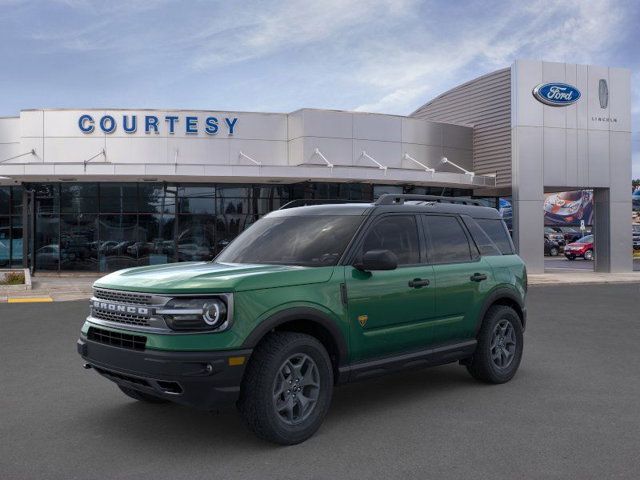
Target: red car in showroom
<point>581,248</point>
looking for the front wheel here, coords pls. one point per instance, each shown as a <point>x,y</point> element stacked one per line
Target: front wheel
<point>287,388</point>
<point>553,252</point>
<point>499,350</point>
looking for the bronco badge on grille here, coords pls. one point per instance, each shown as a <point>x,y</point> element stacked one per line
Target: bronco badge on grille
<point>116,308</point>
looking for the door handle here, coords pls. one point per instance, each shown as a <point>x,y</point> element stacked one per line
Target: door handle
<point>478,277</point>
<point>418,282</point>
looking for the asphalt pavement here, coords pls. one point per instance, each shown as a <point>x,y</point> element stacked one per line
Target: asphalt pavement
<point>560,262</point>
<point>571,412</point>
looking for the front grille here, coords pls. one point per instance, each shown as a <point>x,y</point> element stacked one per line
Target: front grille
<point>117,339</point>
<point>126,318</point>
<point>122,297</point>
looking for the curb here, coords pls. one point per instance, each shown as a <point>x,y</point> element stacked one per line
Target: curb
<point>29,299</point>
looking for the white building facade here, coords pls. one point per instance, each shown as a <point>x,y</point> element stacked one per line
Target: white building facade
<point>99,189</point>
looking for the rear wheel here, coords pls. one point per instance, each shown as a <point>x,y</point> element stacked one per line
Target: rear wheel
<point>500,343</point>
<point>141,396</point>
<point>287,388</point>
<point>588,255</point>
<point>553,252</point>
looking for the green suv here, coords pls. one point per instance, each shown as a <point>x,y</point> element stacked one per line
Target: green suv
<point>312,297</point>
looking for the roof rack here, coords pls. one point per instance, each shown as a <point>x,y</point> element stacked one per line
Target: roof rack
<point>303,202</point>
<point>400,199</point>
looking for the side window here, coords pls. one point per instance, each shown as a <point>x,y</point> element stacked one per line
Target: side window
<point>497,232</point>
<point>448,242</point>
<point>484,243</point>
<point>397,233</point>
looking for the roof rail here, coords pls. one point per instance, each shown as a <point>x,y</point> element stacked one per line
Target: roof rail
<point>399,199</point>
<point>303,202</point>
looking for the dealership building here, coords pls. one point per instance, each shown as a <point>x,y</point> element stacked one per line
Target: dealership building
<point>103,189</point>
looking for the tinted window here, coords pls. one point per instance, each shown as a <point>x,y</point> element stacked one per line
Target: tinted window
<point>482,240</point>
<point>398,234</point>
<point>498,233</point>
<point>314,241</point>
<point>447,241</point>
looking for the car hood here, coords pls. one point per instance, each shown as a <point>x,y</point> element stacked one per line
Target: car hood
<point>579,245</point>
<point>207,277</point>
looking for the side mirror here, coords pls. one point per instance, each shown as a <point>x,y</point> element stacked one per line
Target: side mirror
<point>377,260</point>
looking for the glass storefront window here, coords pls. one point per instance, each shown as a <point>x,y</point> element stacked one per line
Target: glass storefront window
<point>385,189</point>
<point>5,200</point>
<point>79,198</point>
<point>47,199</point>
<point>118,198</point>
<point>16,241</point>
<point>47,247</point>
<point>117,233</point>
<point>197,200</point>
<point>5,241</point>
<point>155,239</point>
<point>152,198</point>
<point>234,206</point>
<point>79,242</point>
<point>230,190</point>
<point>108,226</point>
<point>196,238</point>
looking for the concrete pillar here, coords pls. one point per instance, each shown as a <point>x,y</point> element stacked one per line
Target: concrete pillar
<point>528,233</point>
<point>612,231</point>
<point>528,196</point>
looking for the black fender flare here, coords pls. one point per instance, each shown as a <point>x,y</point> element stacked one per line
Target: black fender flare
<point>300,313</point>
<point>500,294</point>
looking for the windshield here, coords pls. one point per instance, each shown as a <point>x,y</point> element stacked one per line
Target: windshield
<point>586,239</point>
<point>313,241</point>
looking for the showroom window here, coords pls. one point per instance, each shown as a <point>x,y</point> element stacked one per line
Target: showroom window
<point>10,227</point>
<point>101,227</point>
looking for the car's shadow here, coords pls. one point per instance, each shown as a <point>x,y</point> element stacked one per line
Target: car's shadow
<point>189,432</point>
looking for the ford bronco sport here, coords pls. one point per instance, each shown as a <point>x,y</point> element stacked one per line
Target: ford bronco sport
<point>311,297</point>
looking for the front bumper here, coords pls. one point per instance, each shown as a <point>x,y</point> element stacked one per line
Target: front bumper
<point>204,380</point>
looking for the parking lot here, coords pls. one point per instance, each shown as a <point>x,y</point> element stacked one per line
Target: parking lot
<point>571,412</point>
<point>560,262</point>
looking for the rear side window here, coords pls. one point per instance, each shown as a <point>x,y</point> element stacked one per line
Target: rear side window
<point>498,233</point>
<point>397,233</point>
<point>447,241</point>
<point>486,246</point>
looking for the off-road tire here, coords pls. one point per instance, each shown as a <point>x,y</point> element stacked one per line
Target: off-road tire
<point>257,404</point>
<point>141,396</point>
<point>481,365</point>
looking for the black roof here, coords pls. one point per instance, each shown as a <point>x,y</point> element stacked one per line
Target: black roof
<point>395,203</point>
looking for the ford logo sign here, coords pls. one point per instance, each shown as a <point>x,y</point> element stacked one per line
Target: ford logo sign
<point>556,94</point>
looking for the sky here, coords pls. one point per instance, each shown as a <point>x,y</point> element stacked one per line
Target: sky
<point>388,56</point>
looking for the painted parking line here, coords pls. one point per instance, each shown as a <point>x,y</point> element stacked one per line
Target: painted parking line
<point>29,299</point>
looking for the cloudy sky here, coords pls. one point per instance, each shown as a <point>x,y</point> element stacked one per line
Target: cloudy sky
<point>373,55</point>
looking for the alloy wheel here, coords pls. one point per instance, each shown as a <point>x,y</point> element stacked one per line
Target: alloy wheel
<point>503,344</point>
<point>296,389</point>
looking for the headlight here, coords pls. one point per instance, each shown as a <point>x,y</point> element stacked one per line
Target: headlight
<point>195,314</point>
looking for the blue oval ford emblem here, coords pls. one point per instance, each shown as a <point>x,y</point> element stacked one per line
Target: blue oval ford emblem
<point>556,94</point>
